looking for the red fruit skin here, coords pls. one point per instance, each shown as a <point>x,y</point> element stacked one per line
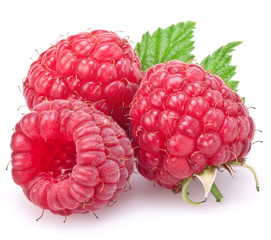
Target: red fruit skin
<point>183,119</point>
<point>96,66</point>
<point>69,157</point>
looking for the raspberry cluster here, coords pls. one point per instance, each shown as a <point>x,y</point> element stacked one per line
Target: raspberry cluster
<point>71,153</point>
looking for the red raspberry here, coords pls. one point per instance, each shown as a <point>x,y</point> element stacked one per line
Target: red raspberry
<point>69,157</point>
<point>184,119</point>
<point>96,66</point>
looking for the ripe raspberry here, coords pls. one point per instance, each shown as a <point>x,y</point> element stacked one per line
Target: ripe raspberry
<point>185,119</point>
<point>69,157</point>
<point>96,66</point>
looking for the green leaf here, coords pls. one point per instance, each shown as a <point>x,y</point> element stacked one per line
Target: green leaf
<point>173,42</point>
<point>233,84</point>
<point>219,63</point>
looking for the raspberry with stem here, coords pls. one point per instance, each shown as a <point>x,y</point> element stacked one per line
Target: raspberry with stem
<point>186,122</point>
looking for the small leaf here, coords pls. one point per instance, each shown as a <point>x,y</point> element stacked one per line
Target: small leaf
<point>185,185</point>
<point>219,63</point>
<point>207,178</point>
<point>173,42</point>
<point>242,164</point>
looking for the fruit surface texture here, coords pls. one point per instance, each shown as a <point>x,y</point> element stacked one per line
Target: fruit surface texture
<point>69,157</point>
<point>98,66</point>
<point>185,119</point>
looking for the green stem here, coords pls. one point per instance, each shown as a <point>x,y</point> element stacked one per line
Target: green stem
<point>239,164</point>
<point>185,196</point>
<point>217,194</point>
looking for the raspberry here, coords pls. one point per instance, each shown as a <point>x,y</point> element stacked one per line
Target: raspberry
<point>96,66</point>
<point>185,119</point>
<point>69,157</point>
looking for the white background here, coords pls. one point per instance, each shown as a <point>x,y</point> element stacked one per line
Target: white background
<point>146,212</point>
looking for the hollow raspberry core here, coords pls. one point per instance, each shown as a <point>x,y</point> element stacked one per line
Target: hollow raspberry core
<point>56,157</point>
